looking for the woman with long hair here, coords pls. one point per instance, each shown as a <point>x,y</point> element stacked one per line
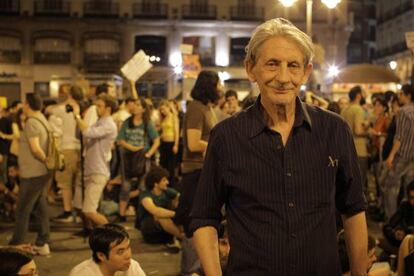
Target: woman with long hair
<point>198,122</point>
<point>170,135</point>
<point>137,137</point>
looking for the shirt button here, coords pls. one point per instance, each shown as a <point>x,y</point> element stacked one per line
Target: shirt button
<point>291,205</point>
<point>279,147</point>
<point>289,174</point>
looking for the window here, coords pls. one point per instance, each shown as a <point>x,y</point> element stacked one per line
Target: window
<point>237,50</point>
<point>42,88</point>
<point>102,54</point>
<point>152,89</point>
<point>101,46</point>
<point>10,49</point>
<point>153,46</point>
<point>52,51</point>
<point>10,90</point>
<point>202,46</point>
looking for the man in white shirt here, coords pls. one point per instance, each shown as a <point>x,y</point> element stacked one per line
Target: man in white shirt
<point>111,254</point>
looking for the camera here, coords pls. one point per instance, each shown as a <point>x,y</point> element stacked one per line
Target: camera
<point>68,108</point>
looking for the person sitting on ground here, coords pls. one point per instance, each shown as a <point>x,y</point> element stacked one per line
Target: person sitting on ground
<point>9,192</point>
<point>402,222</point>
<point>16,262</point>
<point>373,268</point>
<point>406,257</point>
<point>233,101</point>
<point>111,254</point>
<point>155,210</point>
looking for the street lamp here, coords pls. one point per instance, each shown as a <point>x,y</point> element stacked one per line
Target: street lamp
<point>328,3</point>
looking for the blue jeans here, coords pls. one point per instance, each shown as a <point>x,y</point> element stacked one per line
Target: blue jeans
<point>32,197</point>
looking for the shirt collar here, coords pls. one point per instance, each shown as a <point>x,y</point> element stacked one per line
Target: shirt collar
<point>260,124</point>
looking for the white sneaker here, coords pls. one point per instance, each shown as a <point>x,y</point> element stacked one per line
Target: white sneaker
<point>42,250</point>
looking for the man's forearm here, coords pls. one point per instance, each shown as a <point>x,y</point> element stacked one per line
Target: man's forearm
<point>356,235</point>
<point>395,147</point>
<point>81,123</point>
<point>206,243</point>
<point>39,154</point>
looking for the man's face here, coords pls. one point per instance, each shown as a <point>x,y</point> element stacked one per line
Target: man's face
<point>100,107</point>
<point>404,99</point>
<point>279,71</point>
<point>163,184</point>
<point>233,102</point>
<point>411,198</point>
<point>343,103</point>
<point>111,89</point>
<point>26,108</point>
<point>119,257</point>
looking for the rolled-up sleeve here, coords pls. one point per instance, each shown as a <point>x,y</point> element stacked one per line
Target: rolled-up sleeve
<point>97,131</point>
<point>349,197</point>
<point>211,191</point>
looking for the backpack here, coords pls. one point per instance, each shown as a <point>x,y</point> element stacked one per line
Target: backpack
<point>54,157</point>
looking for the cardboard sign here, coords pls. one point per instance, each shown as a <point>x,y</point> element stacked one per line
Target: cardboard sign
<point>191,66</point>
<point>137,66</point>
<point>186,49</point>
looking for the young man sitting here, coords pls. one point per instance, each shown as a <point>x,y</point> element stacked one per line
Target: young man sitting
<point>111,254</point>
<point>155,210</point>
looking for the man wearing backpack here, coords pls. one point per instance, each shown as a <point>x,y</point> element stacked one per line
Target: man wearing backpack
<point>34,176</point>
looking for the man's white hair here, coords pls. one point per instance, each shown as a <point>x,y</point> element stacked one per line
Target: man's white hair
<point>278,27</point>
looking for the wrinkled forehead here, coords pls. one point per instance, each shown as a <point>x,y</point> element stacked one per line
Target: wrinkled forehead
<point>281,47</point>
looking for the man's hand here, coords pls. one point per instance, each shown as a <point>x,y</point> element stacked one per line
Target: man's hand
<point>135,148</point>
<point>175,149</point>
<point>75,106</point>
<point>389,162</point>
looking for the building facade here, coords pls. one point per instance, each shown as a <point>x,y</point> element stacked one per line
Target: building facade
<point>395,18</point>
<point>362,42</point>
<point>48,43</point>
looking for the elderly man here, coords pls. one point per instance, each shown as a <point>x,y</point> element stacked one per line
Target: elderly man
<point>281,168</point>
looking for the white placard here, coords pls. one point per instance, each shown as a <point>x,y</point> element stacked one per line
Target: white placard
<point>409,39</point>
<point>137,66</point>
<point>186,49</point>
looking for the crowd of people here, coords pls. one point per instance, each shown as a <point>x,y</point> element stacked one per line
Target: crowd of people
<point>173,171</point>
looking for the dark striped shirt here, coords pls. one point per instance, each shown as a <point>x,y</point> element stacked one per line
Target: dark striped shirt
<point>280,201</point>
<point>405,131</point>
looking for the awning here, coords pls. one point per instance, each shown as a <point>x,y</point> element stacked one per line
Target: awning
<point>366,73</point>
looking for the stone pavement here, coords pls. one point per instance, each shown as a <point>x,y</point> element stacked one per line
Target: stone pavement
<point>67,251</point>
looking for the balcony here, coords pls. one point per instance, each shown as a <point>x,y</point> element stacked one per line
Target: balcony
<point>51,8</point>
<point>9,7</point>
<point>150,10</point>
<point>199,12</point>
<point>51,57</point>
<point>101,63</point>
<point>105,9</point>
<point>394,49</point>
<point>247,13</point>
<point>10,56</point>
